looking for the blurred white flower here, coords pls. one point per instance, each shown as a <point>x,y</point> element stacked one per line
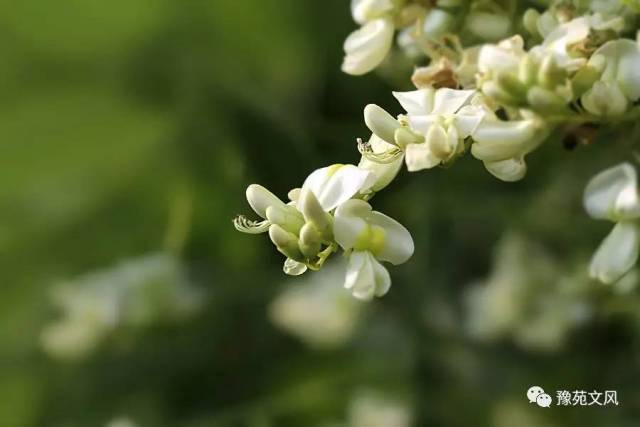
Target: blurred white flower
<point>121,422</point>
<point>613,195</point>
<point>371,409</point>
<point>370,236</point>
<point>317,309</point>
<point>133,294</point>
<point>527,298</point>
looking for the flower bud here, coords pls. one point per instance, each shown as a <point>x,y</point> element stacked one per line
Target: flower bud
<point>404,136</point>
<point>584,80</point>
<point>286,242</point>
<point>550,74</point>
<point>530,21</point>
<point>380,123</point>
<point>260,199</point>
<point>437,23</point>
<point>310,240</point>
<point>286,217</point>
<point>527,71</point>
<point>509,83</point>
<point>311,209</point>
<point>545,101</point>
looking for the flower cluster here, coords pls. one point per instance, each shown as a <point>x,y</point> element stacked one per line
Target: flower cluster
<point>329,212</point>
<point>499,100</point>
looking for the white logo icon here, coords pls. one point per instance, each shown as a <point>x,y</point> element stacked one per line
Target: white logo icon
<point>543,400</point>
<point>537,395</point>
<point>533,393</point>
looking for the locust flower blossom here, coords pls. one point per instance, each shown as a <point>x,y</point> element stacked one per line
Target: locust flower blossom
<point>301,229</point>
<point>618,62</point>
<point>434,128</point>
<point>370,237</point>
<point>613,195</point>
<point>503,145</point>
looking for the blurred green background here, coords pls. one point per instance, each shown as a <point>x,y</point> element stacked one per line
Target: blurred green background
<point>130,130</point>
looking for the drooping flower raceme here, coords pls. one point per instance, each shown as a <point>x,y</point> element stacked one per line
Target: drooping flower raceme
<point>613,195</point>
<point>316,221</point>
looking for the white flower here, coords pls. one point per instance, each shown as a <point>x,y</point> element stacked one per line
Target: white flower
<point>502,145</point>
<point>605,99</point>
<point>317,309</point>
<point>335,184</point>
<point>442,118</point>
<point>367,47</point>
<point>371,409</point>
<point>613,195</point>
<point>619,61</point>
<point>371,237</point>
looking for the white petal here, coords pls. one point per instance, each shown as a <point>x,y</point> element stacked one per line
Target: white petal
<point>448,101</point>
<point>419,156</point>
<point>365,10</point>
<point>613,194</point>
<point>419,102</point>
<point>398,244</point>
<point>605,99</point>
<point>468,118</point>
<point>367,47</point>
<point>347,230</point>
<point>617,254</point>
<point>293,267</point>
<point>438,143</point>
<point>507,170</point>
<point>503,56</point>
<point>365,276</point>
<point>336,184</point>
<point>497,140</point>
<point>421,124</point>
<point>622,62</point>
<point>260,199</point>
<point>380,122</point>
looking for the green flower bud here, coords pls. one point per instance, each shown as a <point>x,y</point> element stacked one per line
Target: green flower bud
<point>527,71</point>
<point>545,101</point>
<point>493,90</point>
<point>437,23</point>
<point>404,136</point>
<point>509,83</point>
<point>286,217</point>
<point>310,240</point>
<point>584,80</point>
<point>311,209</point>
<point>286,242</point>
<point>550,74</point>
<point>530,21</point>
